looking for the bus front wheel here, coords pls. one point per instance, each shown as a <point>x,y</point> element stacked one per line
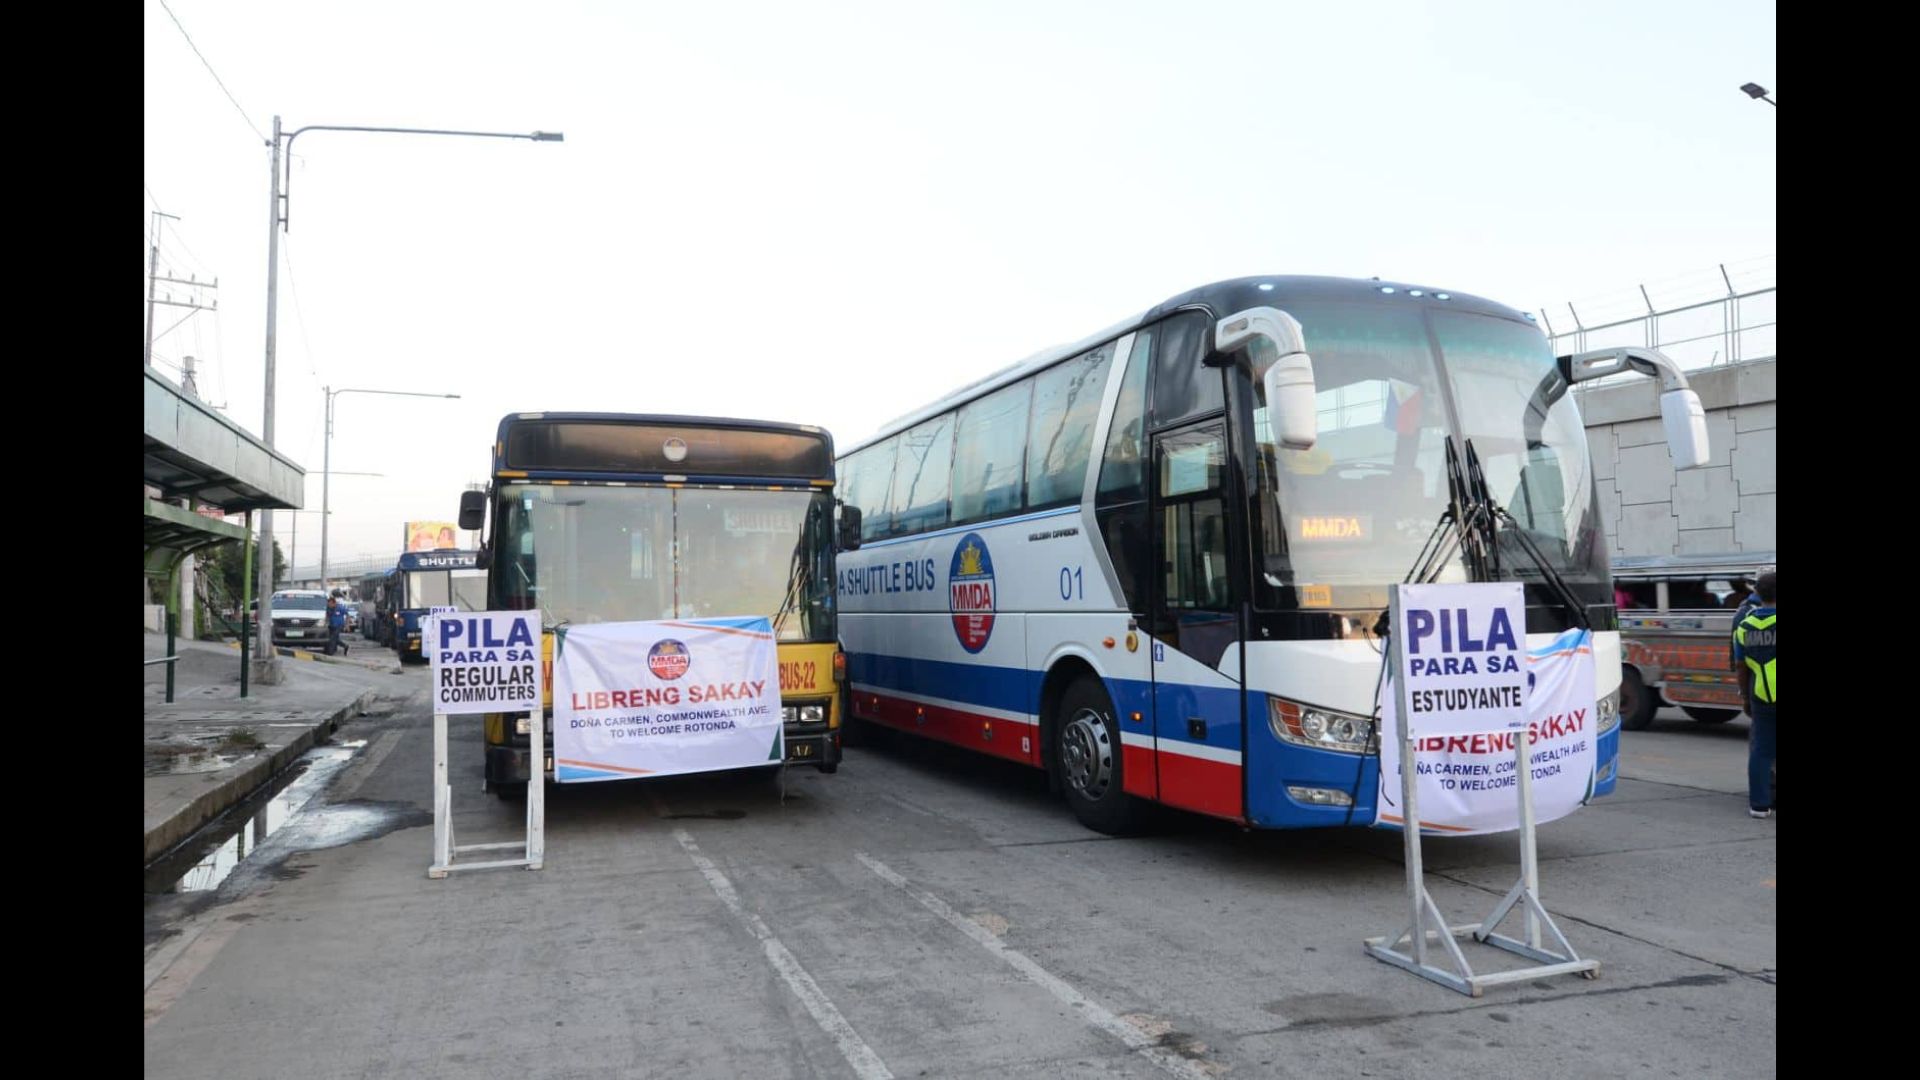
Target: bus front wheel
<point>1089,762</point>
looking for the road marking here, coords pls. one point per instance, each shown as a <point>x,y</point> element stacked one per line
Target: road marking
<point>1090,1010</point>
<point>866,1064</point>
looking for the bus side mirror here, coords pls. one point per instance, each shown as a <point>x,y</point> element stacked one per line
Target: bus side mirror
<point>849,538</point>
<point>473,509</point>
<point>1685,422</point>
<point>1681,414</point>
<point>1276,349</point>
<point>483,559</point>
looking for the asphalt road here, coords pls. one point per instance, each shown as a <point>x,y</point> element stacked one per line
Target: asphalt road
<point>929,913</point>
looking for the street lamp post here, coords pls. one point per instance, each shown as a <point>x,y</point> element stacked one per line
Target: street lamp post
<point>326,459</point>
<point>1758,92</point>
<point>268,667</point>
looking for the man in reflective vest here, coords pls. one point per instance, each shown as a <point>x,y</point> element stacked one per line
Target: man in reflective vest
<point>1753,652</point>
<point>1747,604</point>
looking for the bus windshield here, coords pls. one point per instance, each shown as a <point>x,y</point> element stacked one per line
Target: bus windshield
<point>464,589</point>
<point>582,554</point>
<point>1358,507</point>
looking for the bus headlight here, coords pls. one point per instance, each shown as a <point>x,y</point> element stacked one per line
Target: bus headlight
<point>804,714</point>
<point>1609,709</point>
<point>1322,729</point>
<point>523,725</point>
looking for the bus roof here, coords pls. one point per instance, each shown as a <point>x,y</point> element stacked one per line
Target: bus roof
<point>768,450</point>
<point>511,419</point>
<point>1219,299</point>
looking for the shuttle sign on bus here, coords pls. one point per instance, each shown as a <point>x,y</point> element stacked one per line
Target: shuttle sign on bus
<point>485,661</point>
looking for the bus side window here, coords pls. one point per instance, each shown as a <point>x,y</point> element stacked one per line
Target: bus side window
<point>1066,401</point>
<point>1192,480</point>
<point>920,477</point>
<point>866,478</point>
<point>1182,385</point>
<point>1121,497</point>
<point>989,454</point>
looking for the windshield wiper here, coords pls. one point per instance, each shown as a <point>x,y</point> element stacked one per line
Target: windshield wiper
<point>799,579</point>
<point>1463,513</point>
<point>1489,509</point>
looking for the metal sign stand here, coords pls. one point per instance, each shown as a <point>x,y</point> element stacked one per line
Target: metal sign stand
<point>534,847</point>
<point>1427,923</point>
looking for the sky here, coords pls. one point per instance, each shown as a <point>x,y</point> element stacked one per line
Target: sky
<point>833,213</point>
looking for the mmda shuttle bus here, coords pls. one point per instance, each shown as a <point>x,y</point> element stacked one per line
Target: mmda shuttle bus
<point>1155,563</point>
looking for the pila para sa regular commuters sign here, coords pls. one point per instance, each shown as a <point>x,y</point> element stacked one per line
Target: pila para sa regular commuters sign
<point>484,661</point>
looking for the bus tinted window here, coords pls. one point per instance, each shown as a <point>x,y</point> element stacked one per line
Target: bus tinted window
<point>864,479</point>
<point>1066,399</point>
<point>920,473</point>
<point>990,454</point>
<point>1121,475</point>
<point>1182,386</point>
<point>593,446</point>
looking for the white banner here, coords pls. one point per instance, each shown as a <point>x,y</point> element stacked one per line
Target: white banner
<point>659,698</point>
<point>484,661</point>
<point>1463,657</point>
<point>1465,783</point>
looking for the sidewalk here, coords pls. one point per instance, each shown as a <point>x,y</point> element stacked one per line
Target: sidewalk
<point>210,748</point>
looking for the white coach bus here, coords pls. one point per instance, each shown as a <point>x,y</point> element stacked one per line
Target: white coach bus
<point>1155,563</point>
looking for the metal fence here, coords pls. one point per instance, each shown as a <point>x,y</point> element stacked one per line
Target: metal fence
<point>1705,319</point>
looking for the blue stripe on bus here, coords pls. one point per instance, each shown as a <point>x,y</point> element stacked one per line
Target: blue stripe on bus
<point>1017,690</point>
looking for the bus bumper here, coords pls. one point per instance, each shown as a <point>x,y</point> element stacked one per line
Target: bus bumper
<point>819,748</point>
<point>510,765</point>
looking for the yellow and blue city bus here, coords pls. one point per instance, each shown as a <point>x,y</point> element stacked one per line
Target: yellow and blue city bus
<point>423,581</point>
<point>605,517</point>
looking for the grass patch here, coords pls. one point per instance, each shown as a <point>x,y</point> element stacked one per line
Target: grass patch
<point>241,739</point>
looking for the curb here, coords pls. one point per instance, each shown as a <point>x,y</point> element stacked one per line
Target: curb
<point>243,782</point>
<point>302,654</point>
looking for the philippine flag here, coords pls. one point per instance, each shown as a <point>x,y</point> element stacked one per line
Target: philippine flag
<point>1403,407</point>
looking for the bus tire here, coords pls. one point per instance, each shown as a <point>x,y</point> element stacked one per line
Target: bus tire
<point>511,793</point>
<point>1089,762</point>
<point>1705,715</point>
<point>1637,703</point>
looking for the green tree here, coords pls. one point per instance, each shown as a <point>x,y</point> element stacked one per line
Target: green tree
<point>227,570</point>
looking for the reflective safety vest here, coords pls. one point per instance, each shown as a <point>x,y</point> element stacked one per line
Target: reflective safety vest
<point>1755,638</point>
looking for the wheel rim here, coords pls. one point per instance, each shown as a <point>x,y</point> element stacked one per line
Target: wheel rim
<point>1086,754</point>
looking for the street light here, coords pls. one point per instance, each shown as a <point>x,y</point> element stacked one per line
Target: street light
<point>277,220</point>
<point>1755,90</point>
<point>326,458</point>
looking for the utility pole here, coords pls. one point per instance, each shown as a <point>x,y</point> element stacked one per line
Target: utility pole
<point>267,663</point>
<point>154,279</point>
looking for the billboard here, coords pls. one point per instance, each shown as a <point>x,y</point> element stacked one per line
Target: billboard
<point>431,536</point>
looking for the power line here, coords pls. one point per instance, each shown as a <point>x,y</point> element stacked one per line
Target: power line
<point>299,313</point>
<point>210,71</point>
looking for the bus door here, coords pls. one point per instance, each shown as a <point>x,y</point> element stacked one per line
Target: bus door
<point>1194,619</point>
